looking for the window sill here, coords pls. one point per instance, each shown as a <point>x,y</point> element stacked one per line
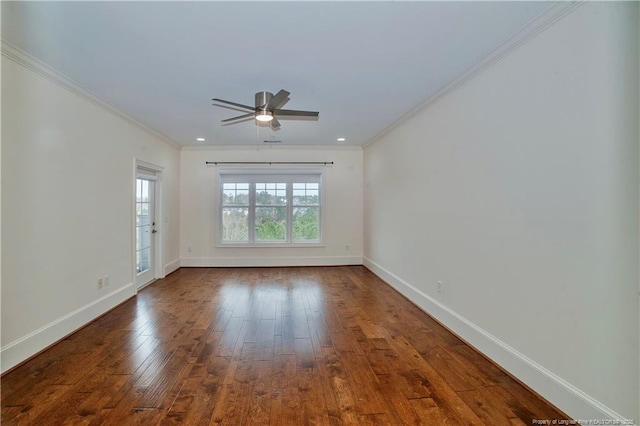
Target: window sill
<point>270,245</point>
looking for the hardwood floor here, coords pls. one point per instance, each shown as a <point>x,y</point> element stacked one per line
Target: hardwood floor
<point>266,346</point>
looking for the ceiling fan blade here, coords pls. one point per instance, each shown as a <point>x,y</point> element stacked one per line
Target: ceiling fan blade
<point>230,107</point>
<point>233,103</point>
<point>232,123</point>
<point>278,100</point>
<point>275,124</point>
<point>295,113</point>
<point>238,117</point>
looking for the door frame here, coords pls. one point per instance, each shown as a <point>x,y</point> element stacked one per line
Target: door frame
<point>158,239</point>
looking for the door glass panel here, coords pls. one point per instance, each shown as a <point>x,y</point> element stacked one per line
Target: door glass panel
<point>144,213</point>
<point>143,225</point>
<point>144,257</point>
<point>145,191</point>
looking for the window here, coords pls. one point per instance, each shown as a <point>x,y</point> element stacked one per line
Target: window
<point>235,212</point>
<point>265,209</point>
<point>306,211</point>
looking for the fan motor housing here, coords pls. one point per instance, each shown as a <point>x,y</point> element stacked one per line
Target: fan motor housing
<point>262,98</point>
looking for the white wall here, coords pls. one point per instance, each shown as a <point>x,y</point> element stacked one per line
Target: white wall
<point>343,209</point>
<point>0,207</point>
<point>519,191</point>
<point>67,208</point>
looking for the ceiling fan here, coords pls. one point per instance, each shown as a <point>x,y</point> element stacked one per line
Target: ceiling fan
<point>267,107</point>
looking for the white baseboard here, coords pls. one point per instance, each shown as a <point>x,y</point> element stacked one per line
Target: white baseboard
<point>171,266</point>
<point>269,261</point>
<point>559,392</point>
<point>27,346</point>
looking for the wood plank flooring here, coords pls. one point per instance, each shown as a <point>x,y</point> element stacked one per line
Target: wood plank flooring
<point>266,346</point>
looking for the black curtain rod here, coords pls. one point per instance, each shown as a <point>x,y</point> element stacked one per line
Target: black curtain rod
<point>324,163</point>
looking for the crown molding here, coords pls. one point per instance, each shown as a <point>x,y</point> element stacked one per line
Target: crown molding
<point>19,56</point>
<point>530,30</point>
<point>272,148</point>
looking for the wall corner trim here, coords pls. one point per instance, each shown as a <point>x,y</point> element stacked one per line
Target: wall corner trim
<point>556,390</point>
<point>35,342</point>
<point>21,57</point>
<point>172,266</point>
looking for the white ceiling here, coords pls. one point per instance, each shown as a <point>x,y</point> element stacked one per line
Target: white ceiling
<point>363,65</point>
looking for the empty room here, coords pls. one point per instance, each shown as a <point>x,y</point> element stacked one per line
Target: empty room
<point>296,213</point>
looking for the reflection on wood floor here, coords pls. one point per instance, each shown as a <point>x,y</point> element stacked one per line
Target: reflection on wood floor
<point>266,346</point>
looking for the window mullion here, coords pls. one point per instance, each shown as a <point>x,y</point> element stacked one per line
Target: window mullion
<point>221,212</point>
<point>320,207</point>
<point>289,212</point>
<point>252,211</point>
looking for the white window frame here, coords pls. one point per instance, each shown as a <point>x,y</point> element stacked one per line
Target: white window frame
<point>253,176</point>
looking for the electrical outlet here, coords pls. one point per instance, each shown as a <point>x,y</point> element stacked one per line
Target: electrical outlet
<point>439,286</point>
<point>100,283</point>
<point>106,280</point>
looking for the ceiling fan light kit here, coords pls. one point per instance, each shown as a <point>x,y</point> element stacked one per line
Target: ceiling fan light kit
<point>264,116</point>
<point>267,109</point>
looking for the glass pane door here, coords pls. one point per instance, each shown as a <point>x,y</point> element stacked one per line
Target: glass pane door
<point>145,230</point>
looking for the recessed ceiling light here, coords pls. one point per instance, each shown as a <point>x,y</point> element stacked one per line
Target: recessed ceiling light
<point>200,139</point>
<point>341,139</point>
